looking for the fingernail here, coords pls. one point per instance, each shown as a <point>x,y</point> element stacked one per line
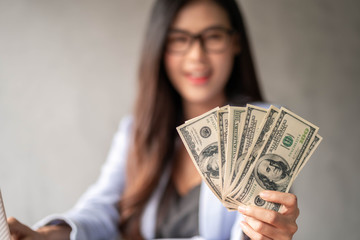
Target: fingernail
<point>242,208</point>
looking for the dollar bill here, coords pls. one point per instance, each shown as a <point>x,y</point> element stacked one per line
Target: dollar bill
<point>240,152</point>
<point>4,227</point>
<point>313,146</point>
<point>279,159</point>
<point>250,127</point>
<point>223,126</point>
<point>236,117</point>
<point>254,150</point>
<point>200,137</point>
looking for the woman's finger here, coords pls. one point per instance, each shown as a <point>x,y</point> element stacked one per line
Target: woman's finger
<point>288,200</point>
<point>251,233</point>
<point>262,227</point>
<point>267,216</point>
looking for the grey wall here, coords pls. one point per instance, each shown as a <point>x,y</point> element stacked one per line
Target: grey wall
<point>67,75</point>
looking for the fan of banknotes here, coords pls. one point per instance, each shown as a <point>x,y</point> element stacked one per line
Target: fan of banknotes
<point>241,151</point>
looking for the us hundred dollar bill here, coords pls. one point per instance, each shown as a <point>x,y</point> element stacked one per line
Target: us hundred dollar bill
<point>254,150</point>
<point>250,127</point>
<point>223,121</point>
<point>236,117</point>
<point>4,227</point>
<point>200,137</point>
<point>313,146</point>
<point>279,159</point>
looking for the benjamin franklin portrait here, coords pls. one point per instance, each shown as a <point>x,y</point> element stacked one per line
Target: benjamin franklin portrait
<point>209,161</point>
<point>272,172</point>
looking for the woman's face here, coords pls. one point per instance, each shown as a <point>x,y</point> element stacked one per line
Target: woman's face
<point>272,172</point>
<point>198,75</point>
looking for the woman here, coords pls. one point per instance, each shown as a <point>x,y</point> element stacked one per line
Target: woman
<point>196,56</point>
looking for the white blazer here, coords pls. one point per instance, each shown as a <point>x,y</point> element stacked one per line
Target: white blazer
<point>95,216</point>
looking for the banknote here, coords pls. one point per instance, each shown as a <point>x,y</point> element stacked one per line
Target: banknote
<point>240,151</point>
<point>254,149</point>
<point>279,159</point>
<point>200,137</point>
<point>223,122</point>
<point>313,146</point>
<point>236,117</point>
<point>250,127</point>
<point>4,227</point>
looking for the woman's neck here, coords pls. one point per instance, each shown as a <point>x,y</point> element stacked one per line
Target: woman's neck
<point>192,110</point>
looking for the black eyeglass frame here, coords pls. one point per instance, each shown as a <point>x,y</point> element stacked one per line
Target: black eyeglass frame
<point>200,37</point>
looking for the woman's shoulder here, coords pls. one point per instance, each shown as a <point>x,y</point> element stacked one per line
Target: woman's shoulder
<point>126,122</point>
<point>124,130</point>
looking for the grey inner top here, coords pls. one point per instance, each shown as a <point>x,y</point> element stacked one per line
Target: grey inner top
<point>178,216</point>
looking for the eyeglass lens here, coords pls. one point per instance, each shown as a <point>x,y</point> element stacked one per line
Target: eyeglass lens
<point>212,40</point>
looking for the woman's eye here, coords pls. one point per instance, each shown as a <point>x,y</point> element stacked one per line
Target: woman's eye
<point>214,36</point>
<point>178,39</point>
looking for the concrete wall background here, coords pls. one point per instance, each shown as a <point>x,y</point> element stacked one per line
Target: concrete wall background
<point>67,75</point>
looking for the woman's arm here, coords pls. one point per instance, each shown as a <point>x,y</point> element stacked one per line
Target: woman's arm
<point>266,224</point>
<point>95,216</point>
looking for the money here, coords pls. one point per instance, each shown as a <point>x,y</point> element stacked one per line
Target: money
<point>315,143</point>
<point>255,148</point>
<point>279,159</point>
<point>4,227</point>
<point>223,122</point>
<point>250,128</point>
<point>236,117</point>
<point>240,152</point>
<point>200,137</point>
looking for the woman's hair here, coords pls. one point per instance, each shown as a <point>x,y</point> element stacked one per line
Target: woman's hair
<point>158,109</point>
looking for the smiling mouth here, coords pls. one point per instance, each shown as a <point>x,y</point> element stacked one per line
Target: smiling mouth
<point>198,78</point>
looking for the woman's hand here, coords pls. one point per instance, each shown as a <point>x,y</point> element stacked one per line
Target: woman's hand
<point>20,231</point>
<point>266,224</point>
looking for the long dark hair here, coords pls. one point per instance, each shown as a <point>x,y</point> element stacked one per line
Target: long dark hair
<point>158,109</point>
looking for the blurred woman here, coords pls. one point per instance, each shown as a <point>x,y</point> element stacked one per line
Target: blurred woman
<point>196,56</point>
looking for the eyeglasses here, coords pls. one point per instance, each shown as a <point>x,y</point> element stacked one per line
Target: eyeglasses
<point>214,40</point>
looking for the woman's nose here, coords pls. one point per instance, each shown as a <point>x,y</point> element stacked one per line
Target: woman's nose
<point>196,51</point>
